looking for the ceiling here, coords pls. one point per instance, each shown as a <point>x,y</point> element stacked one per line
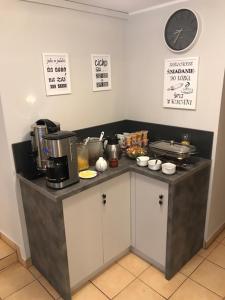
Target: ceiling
<point>127,6</point>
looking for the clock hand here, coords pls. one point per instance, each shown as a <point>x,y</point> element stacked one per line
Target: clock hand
<point>177,32</point>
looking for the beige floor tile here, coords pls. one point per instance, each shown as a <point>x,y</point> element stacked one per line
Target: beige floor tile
<point>191,265</point>
<point>33,291</point>
<point>35,272</point>
<point>211,276</point>
<point>48,287</point>
<point>14,278</point>
<point>206,252</point>
<point>137,290</point>
<point>133,264</point>
<point>89,292</point>
<point>7,261</point>
<point>5,250</point>
<point>113,280</point>
<point>221,236</point>
<point>217,256</point>
<point>156,280</point>
<point>190,290</point>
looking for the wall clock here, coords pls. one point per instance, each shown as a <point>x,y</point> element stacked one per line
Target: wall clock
<point>181,30</point>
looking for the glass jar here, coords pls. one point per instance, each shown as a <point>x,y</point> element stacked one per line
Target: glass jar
<point>82,157</point>
<point>113,163</point>
<point>185,139</point>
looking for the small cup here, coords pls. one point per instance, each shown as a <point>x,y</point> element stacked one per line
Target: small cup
<point>142,161</point>
<point>168,168</point>
<point>154,164</point>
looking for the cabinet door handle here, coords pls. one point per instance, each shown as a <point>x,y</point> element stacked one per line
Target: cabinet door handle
<point>104,199</point>
<point>161,199</point>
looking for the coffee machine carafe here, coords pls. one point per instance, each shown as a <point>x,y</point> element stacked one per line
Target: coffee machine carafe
<point>62,169</point>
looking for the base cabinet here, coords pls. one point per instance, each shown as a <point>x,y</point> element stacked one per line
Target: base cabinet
<point>97,226</point>
<point>83,225</point>
<point>72,240</point>
<point>151,208</point>
<point>116,216</point>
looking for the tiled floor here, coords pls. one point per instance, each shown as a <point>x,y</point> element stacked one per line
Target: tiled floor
<point>131,278</point>
<point>8,255</point>
<point>18,283</point>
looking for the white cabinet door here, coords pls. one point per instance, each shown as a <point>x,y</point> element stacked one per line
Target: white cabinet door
<point>83,226</point>
<point>151,218</point>
<point>116,216</point>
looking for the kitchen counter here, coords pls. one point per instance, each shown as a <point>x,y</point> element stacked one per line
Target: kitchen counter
<point>187,192</point>
<point>125,165</point>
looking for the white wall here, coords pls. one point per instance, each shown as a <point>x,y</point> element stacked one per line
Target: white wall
<point>216,214</point>
<point>147,52</point>
<point>27,30</point>
<point>11,212</point>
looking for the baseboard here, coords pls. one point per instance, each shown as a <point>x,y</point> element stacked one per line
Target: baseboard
<point>157,265</point>
<point>26,263</point>
<point>213,237</point>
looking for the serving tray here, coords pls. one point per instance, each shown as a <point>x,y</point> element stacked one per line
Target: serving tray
<point>172,149</point>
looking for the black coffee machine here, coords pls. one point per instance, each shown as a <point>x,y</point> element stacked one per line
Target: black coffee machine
<point>62,169</point>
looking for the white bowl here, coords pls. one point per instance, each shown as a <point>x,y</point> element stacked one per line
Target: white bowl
<point>142,161</point>
<point>168,168</point>
<point>154,164</point>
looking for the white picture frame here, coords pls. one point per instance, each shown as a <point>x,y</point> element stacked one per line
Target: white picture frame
<point>56,73</point>
<point>101,72</point>
<point>180,83</point>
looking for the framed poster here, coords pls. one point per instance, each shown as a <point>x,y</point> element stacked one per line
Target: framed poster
<point>101,72</point>
<point>180,83</point>
<point>57,73</point>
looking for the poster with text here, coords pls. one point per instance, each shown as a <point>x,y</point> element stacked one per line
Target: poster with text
<point>57,74</point>
<point>180,83</point>
<point>101,72</point>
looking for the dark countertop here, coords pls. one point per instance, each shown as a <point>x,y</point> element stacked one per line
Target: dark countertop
<point>125,165</point>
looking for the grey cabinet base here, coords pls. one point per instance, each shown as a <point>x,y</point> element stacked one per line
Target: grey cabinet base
<point>46,232</point>
<point>186,220</point>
